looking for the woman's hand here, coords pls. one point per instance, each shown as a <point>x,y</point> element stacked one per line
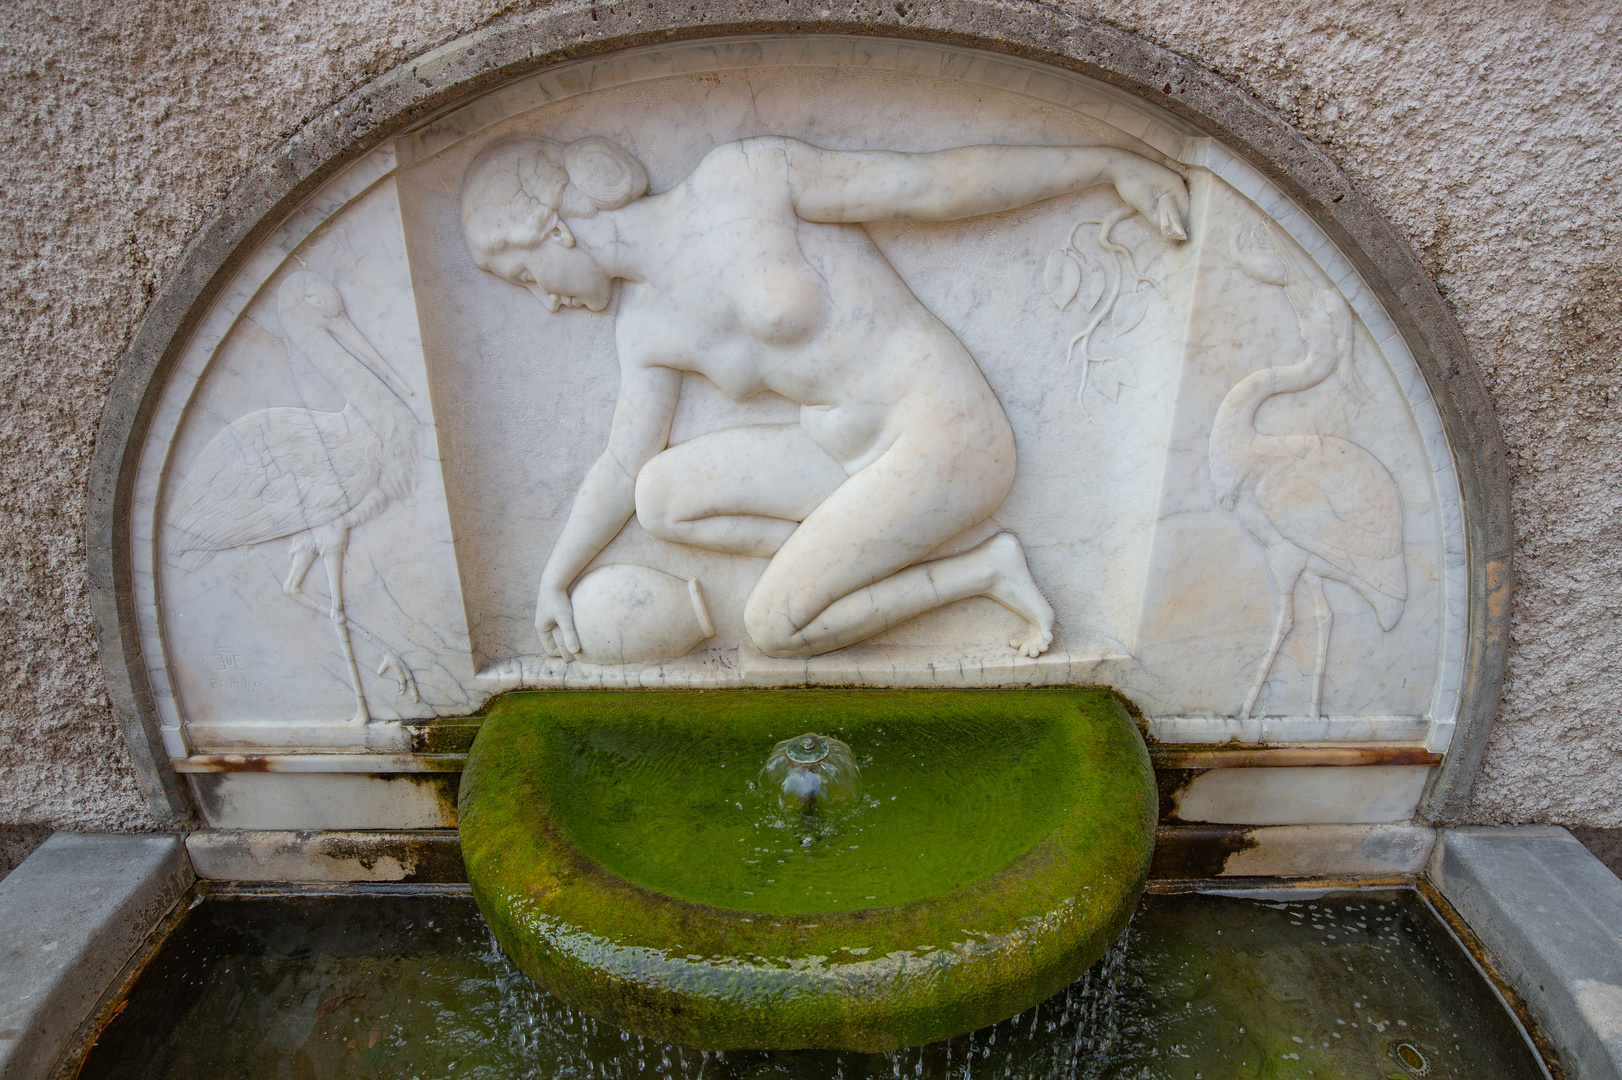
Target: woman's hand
<point>554,621</point>
<point>1155,192</point>
<point>607,496</point>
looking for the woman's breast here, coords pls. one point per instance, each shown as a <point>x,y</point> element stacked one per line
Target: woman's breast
<point>781,306</point>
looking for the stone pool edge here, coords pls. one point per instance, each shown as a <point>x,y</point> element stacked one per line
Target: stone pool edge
<point>74,914</point>
<point>1550,915</point>
<point>1544,909</point>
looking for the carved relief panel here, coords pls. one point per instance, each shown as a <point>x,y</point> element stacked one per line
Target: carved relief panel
<point>799,362</point>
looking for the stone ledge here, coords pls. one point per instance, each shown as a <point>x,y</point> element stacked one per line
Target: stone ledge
<point>1351,855</point>
<point>428,856</point>
<point>1551,916</point>
<point>74,913</point>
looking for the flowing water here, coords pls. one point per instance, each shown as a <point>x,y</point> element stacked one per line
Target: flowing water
<point>1351,986</point>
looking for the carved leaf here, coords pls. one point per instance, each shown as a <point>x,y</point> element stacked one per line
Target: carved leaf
<point>1112,376</point>
<point>1107,379</point>
<point>1130,308</point>
<point>1062,278</point>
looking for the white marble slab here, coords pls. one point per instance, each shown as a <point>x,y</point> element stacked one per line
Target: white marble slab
<point>325,800</point>
<point>1351,795</point>
<point>1156,585</point>
<point>243,654</point>
<point>1290,729</point>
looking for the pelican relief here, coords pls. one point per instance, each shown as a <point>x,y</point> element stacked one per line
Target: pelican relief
<point>308,474</point>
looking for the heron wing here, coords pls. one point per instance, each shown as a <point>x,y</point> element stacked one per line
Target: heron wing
<point>272,473</point>
<point>1334,499</point>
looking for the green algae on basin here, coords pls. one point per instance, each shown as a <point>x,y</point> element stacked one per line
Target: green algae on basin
<point>619,849</point>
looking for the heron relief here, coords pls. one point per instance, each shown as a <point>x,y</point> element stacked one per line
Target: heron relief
<point>599,384</point>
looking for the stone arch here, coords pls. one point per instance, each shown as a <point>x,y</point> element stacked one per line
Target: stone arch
<point>412,98</point>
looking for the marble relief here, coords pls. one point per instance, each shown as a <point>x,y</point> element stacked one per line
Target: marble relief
<point>763,375</point>
<point>755,272</point>
<point>305,474</point>
<point>1106,280</point>
<point>306,557</point>
<point>1323,507</point>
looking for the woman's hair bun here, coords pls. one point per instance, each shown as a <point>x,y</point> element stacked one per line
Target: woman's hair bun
<point>511,196</point>
<point>604,172</point>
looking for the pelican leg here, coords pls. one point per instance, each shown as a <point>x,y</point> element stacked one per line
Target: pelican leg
<point>1326,619</point>
<point>332,557</point>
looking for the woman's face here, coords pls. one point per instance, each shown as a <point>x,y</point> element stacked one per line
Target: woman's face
<point>559,276</point>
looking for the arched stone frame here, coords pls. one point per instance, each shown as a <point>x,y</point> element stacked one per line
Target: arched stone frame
<point>450,76</point>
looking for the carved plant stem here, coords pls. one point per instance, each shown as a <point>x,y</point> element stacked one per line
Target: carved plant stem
<point>1117,261</point>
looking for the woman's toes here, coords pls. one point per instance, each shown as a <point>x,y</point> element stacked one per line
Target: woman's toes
<point>1033,642</point>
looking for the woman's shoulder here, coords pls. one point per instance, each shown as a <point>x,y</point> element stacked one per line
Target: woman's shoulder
<point>758,161</point>
<point>755,148</point>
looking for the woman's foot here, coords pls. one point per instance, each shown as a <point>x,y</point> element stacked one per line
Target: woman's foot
<point>1013,587</point>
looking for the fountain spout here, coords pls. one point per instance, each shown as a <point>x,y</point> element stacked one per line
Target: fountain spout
<point>811,774</point>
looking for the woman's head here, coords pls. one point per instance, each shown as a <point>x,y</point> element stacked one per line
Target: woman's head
<point>515,204</point>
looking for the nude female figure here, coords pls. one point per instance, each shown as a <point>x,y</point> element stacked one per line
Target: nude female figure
<point>755,272</point>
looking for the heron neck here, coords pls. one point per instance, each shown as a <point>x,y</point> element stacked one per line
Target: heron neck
<point>356,384</point>
<point>1235,443</point>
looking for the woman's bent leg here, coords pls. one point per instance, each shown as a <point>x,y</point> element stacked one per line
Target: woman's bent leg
<point>739,490</point>
<point>847,573</point>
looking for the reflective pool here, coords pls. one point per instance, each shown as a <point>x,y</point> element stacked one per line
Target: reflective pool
<point>1360,986</point>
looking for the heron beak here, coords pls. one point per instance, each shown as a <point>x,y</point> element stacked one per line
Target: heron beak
<point>1259,259</point>
<point>357,345</point>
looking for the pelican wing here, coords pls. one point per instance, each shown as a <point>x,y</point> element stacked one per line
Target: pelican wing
<point>272,473</point>
<point>1333,499</point>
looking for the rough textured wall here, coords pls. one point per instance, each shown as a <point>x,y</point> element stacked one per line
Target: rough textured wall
<point>1488,131</point>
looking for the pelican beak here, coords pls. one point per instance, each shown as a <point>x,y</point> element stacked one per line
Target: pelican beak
<point>354,341</point>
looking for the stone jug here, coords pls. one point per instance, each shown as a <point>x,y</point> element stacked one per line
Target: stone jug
<point>628,614</point>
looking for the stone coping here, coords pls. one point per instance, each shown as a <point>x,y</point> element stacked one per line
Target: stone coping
<point>1550,914</point>
<point>73,914</point>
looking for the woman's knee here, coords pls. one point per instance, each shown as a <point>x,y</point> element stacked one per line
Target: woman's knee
<point>766,618</point>
<point>656,500</point>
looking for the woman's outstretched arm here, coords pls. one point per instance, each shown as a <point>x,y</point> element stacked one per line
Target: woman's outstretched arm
<point>943,185</point>
<point>607,497</point>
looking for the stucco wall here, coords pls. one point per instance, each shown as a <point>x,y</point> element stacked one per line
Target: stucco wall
<point>1487,131</point>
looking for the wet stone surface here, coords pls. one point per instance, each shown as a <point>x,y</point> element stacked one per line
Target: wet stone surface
<point>1362,986</point>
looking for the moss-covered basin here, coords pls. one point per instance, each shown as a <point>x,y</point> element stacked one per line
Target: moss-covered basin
<point>617,846</point>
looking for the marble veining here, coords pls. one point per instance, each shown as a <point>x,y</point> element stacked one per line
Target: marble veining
<point>798,362</point>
